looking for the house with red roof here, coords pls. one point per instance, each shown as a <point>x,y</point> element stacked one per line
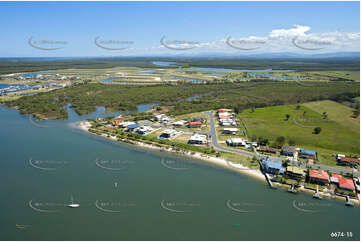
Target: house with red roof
<point>346,184</point>
<point>196,124</point>
<point>335,178</point>
<point>348,161</point>
<point>318,176</point>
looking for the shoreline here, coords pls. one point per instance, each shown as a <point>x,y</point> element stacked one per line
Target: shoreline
<point>85,125</point>
<point>240,169</point>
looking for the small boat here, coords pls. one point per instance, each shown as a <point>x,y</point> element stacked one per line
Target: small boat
<point>72,204</point>
<point>292,189</point>
<point>316,195</point>
<point>348,202</point>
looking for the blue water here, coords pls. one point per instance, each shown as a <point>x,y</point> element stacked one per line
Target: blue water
<point>188,79</point>
<point>31,75</point>
<point>164,63</point>
<point>153,72</point>
<point>145,107</point>
<point>110,80</point>
<point>217,73</point>
<point>147,195</point>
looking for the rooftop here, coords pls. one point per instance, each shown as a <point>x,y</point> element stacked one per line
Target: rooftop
<point>319,174</point>
<point>274,164</point>
<point>296,170</point>
<point>308,152</point>
<point>346,183</point>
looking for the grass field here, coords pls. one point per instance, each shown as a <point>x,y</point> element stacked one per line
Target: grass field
<point>353,75</point>
<point>340,132</point>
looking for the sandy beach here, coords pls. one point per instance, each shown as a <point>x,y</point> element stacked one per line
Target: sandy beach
<point>85,125</point>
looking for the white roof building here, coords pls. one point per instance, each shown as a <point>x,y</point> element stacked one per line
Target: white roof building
<point>179,123</point>
<point>198,139</point>
<point>144,130</point>
<point>168,133</point>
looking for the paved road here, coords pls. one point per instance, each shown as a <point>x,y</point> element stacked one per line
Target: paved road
<point>216,145</point>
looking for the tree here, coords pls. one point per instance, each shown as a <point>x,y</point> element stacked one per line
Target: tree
<point>317,130</point>
<point>356,113</point>
<point>280,141</point>
<point>287,117</point>
<point>254,138</point>
<point>324,114</point>
<point>298,107</point>
<point>252,110</point>
<point>291,142</point>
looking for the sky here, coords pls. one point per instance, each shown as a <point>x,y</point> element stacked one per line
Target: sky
<point>59,29</point>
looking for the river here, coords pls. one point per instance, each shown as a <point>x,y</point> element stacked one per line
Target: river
<point>130,193</point>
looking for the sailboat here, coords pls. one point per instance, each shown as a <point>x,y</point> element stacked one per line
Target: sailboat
<point>72,204</point>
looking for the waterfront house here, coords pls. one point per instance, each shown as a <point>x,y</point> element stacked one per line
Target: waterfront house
<point>348,161</point>
<point>231,131</point>
<point>307,154</point>
<point>335,178</point>
<point>132,127</point>
<point>319,176</point>
<point>295,172</point>
<point>168,133</point>
<point>288,151</point>
<point>144,130</point>
<point>198,139</point>
<point>346,184</point>
<point>196,124</point>
<point>273,167</point>
<point>268,149</point>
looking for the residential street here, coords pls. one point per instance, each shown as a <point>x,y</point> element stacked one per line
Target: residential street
<point>216,145</point>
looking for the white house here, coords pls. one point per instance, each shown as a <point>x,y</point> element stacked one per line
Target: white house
<point>230,131</point>
<point>198,139</point>
<point>179,123</point>
<point>236,142</point>
<point>162,118</point>
<point>144,130</point>
<point>168,133</point>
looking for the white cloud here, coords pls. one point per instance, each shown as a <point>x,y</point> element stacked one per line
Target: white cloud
<point>297,30</point>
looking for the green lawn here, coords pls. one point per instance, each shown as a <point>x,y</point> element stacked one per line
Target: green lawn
<point>340,134</point>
